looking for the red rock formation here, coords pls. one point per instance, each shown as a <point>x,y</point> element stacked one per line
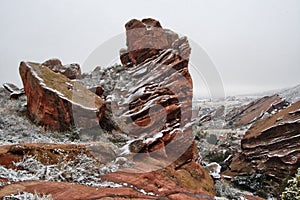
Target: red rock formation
<point>156,108</point>
<point>190,179</point>
<point>66,191</point>
<point>72,71</point>
<point>145,39</point>
<point>97,90</point>
<point>57,103</point>
<point>271,146</point>
<point>175,180</point>
<point>15,92</point>
<point>153,108</point>
<point>253,111</point>
<point>159,99</point>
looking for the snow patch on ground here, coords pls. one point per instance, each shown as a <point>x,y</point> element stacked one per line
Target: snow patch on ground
<point>28,196</point>
<point>82,170</point>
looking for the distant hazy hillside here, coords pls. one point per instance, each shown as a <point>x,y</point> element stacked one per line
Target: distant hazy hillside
<point>291,94</point>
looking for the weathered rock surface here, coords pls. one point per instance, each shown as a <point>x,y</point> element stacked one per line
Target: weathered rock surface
<point>271,146</point>
<point>145,39</point>
<point>72,71</point>
<point>49,153</point>
<point>150,104</point>
<point>206,115</point>
<point>253,111</point>
<point>188,179</point>
<point>16,127</point>
<point>65,190</point>
<point>15,92</point>
<point>157,102</point>
<point>56,102</point>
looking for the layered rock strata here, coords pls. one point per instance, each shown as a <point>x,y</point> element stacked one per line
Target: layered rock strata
<point>150,103</point>
<point>156,105</point>
<point>255,110</point>
<point>271,146</point>
<point>56,102</point>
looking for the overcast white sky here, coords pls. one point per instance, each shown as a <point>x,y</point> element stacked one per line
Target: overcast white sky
<point>254,44</point>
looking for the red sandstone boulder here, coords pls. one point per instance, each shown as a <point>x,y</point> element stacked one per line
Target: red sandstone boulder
<point>56,102</point>
<point>145,39</point>
<point>72,71</point>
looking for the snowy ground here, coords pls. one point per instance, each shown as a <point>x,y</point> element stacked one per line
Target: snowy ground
<point>15,126</point>
<point>216,144</point>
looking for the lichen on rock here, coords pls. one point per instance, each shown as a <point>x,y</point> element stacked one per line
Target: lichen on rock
<point>56,102</point>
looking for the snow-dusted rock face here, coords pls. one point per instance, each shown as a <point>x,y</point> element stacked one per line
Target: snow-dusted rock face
<point>145,39</point>
<point>247,114</point>
<point>155,102</point>
<point>149,152</point>
<point>15,92</point>
<point>271,146</point>
<point>57,169</point>
<point>56,102</point>
<point>70,171</point>
<point>72,71</point>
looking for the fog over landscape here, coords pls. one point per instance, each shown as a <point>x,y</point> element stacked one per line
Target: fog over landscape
<point>254,45</point>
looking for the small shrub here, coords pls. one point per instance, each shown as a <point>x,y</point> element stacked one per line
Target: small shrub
<point>28,196</point>
<point>292,190</point>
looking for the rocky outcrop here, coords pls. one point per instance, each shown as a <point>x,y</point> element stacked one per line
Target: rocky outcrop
<point>271,146</point>
<point>56,102</point>
<point>148,108</point>
<point>188,180</point>
<point>156,106</point>
<point>145,39</point>
<point>15,92</point>
<point>72,71</point>
<point>255,110</point>
<point>151,103</point>
<point>65,190</point>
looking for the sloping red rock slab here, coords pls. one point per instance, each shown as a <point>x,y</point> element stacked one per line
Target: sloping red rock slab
<point>271,146</point>
<point>71,191</point>
<point>253,111</point>
<point>190,178</point>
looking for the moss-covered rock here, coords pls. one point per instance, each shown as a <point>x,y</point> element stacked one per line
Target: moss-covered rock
<point>56,102</point>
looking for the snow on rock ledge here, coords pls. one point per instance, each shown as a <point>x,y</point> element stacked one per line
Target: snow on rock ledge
<point>72,71</point>
<point>271,146</point>
<point>56,102</point>
<point>158,96</point>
